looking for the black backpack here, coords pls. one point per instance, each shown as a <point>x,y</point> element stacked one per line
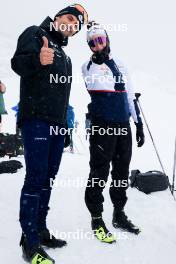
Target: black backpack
<point>11,145</point>
<point>148,182</point>
<point>10,166</point>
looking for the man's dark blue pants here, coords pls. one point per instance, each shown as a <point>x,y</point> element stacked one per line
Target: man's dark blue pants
<point>43,153</point>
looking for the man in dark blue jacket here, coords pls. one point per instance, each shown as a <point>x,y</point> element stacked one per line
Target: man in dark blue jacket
<point>43,103</point>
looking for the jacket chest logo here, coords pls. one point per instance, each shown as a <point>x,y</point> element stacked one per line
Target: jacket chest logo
<point>104,70</point>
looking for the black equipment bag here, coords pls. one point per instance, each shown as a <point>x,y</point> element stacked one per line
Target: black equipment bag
<point>148,182</point>
<point>10,166</point>
<point>11,145</point>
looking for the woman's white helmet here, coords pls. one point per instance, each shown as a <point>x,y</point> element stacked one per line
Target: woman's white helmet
<point>94,29</point>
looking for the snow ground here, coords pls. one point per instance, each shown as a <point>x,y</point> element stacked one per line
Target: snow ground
<point>155,214</point>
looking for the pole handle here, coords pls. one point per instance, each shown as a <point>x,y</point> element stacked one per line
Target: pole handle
<point>137,95</point>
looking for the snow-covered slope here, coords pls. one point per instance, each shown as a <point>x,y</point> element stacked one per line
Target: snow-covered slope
<point>69,219</point>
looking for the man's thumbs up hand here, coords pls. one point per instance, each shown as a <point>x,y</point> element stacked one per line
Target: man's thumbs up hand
<point>45,42</point>
<point>46,54</point>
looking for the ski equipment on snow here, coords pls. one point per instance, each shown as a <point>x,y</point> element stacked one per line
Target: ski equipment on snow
<point>101,232</point>
<point>35,254</point>
<point>121,221</point>
<point>11,145</point>
<point>156,150</point>
<point>48,240</point>
<point>148,182</point>
<point>10,166</point>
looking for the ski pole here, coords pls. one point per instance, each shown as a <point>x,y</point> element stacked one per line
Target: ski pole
<point>156,150</point>
<point>174,167</point>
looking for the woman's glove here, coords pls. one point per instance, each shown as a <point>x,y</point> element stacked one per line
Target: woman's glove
<point>140,138</point>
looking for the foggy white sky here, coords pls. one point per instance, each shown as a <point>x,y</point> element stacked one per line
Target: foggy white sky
<point>147,47</point>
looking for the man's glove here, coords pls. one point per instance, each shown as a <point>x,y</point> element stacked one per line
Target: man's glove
<point>140,138</point>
